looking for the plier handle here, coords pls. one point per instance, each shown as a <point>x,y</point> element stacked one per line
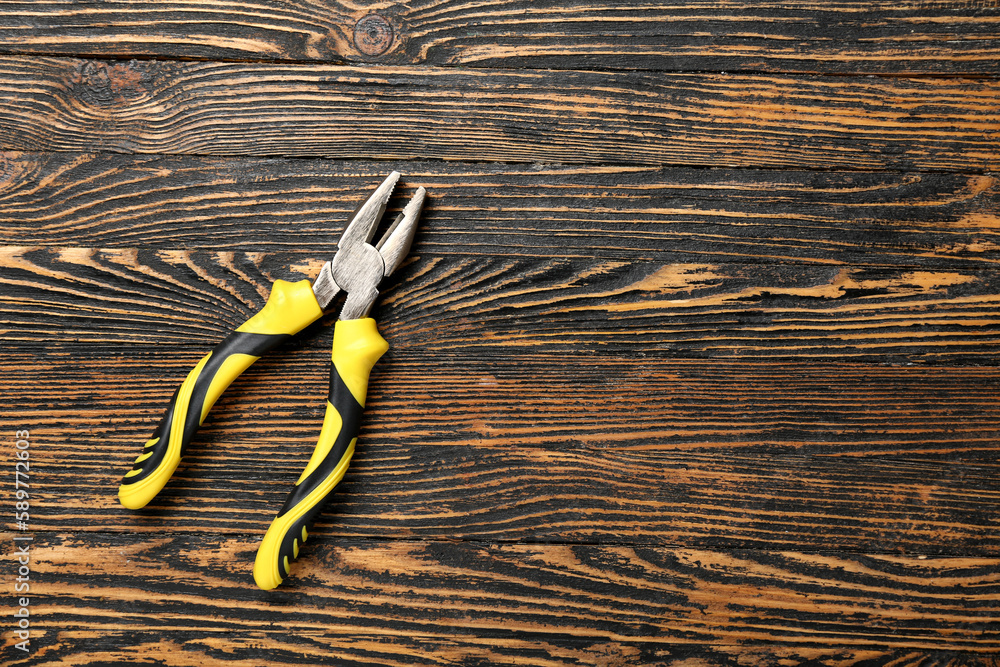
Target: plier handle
<point>357,269</point>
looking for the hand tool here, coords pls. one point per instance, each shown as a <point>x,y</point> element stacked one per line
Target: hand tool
<point>357,269</point>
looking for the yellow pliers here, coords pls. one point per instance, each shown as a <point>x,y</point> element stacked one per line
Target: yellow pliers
<point>357,269</point>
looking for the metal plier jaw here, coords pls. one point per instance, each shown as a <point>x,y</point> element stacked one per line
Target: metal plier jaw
<point>357,268</point>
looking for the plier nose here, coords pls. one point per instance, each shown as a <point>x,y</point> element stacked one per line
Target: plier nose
<point>357,268</point>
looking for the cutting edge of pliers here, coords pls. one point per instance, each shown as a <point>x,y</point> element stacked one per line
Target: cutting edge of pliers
<point>359,267</point>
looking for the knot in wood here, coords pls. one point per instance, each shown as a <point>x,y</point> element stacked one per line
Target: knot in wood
<point>111,84</point>
<point>8,161</point>
<point>373,35</point>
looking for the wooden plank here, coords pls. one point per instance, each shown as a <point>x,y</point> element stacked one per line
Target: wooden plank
<point>949,37</point>
<point>554,402</point>
<point>243,648</point>
<point>405,113</point>
<point>629,213</point>
<point>494,306</point>
<point>405,602</point>
<point>548,448</point>
<point>647,497</point>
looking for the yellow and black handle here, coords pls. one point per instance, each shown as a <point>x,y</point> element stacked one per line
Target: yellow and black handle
<point>357,346</point>
<point>290,308</point>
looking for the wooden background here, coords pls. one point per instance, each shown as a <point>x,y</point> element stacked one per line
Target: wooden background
<point>696,359</point>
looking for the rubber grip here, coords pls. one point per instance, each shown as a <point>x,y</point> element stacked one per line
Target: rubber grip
<point>357,346</point>
<point>290,308</point>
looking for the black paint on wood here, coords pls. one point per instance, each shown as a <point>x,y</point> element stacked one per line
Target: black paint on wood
<point>403,113</point>
<point>947,37</point>
<point>694,361</point>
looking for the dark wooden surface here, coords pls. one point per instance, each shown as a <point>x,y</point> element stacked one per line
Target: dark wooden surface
<point>695,360</point>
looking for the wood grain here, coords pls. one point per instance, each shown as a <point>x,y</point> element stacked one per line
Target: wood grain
<point>554,402</point>
<point>471,493</point>
<point>579,117</point>
<point>315,647</point>
<point>550,448</point>
<point>474,306</point>
<point>622,213</point>
<point>952,36</point>
<point>694,361</point>
<point>378,602</point>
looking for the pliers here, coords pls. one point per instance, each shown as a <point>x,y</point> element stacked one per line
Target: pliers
<point>357,269</point>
